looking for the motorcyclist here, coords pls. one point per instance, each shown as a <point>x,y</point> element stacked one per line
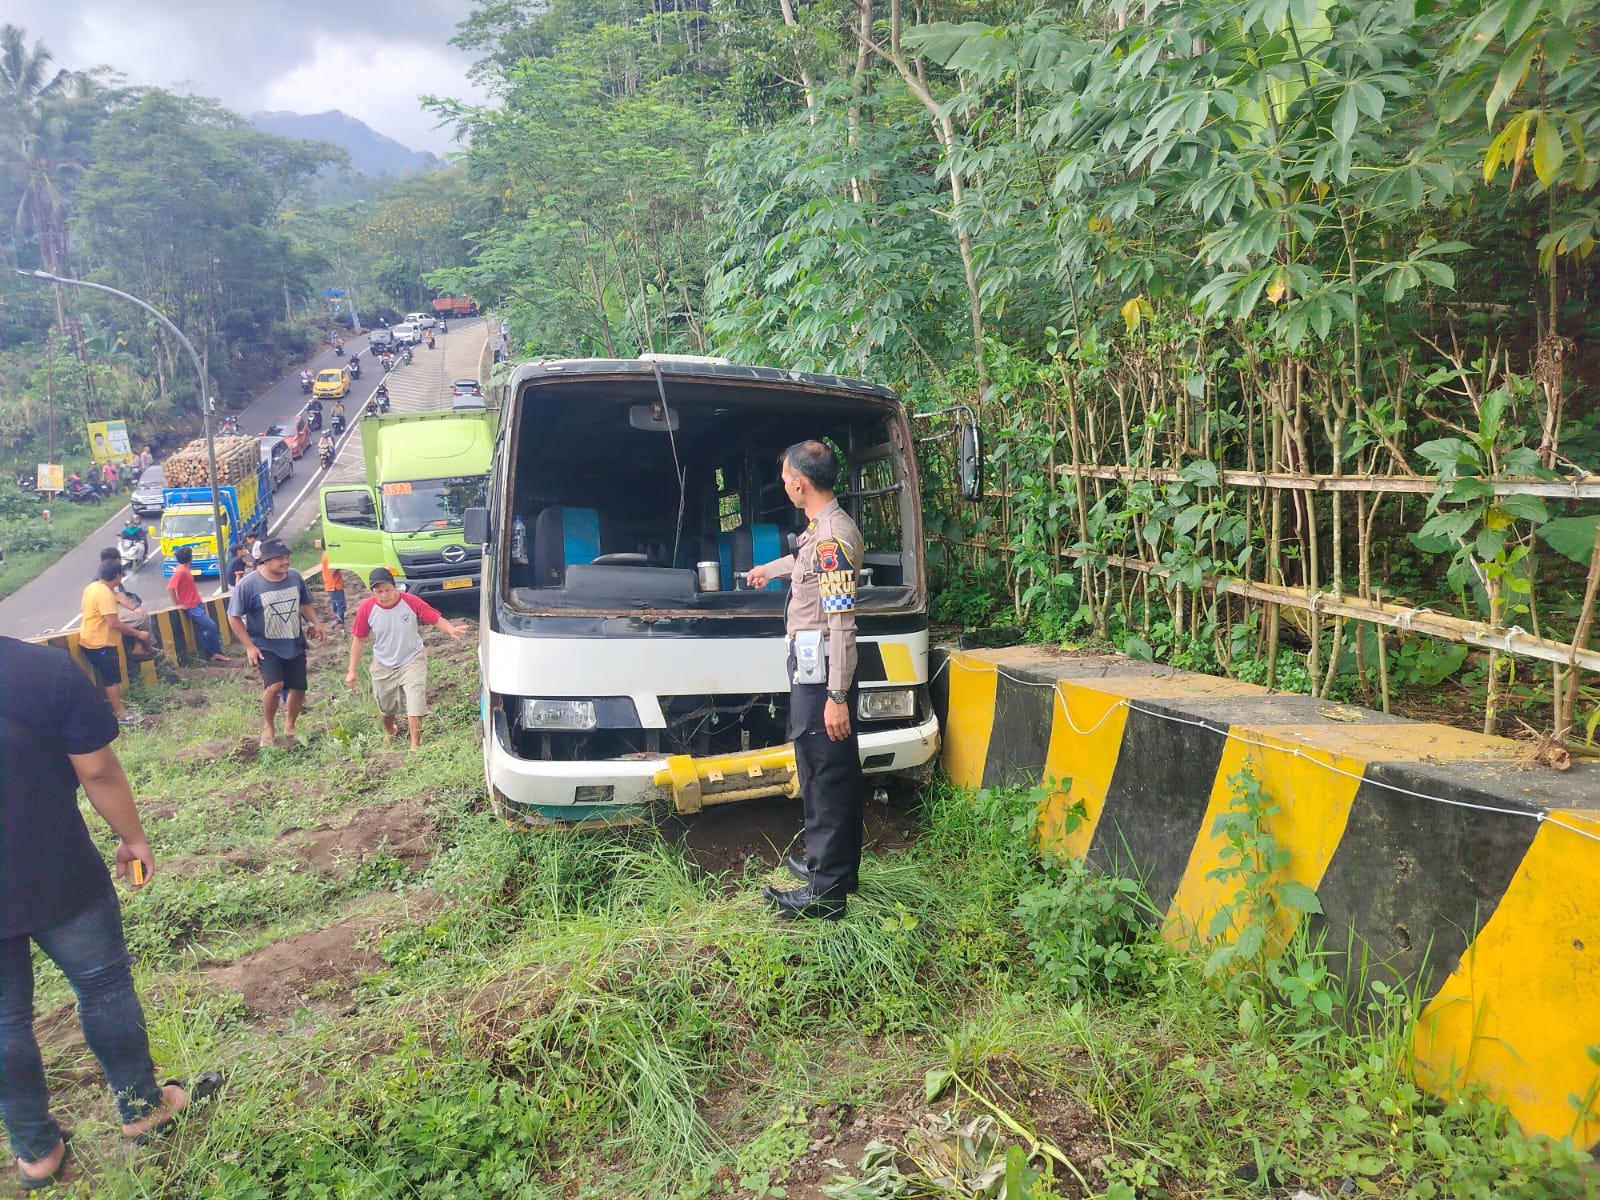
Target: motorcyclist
<point>355,367</point>
<point>305,381</point>
<point>230,424</point>
<point>314,414</point>
<point>325,448</point>
<point>338,344</point>
<point>381,398</point>
<point>405,356</point>
<point>338,410</point>
<point>429,339</point>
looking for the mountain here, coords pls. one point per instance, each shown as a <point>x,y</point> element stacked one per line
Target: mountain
<point>371,153</point>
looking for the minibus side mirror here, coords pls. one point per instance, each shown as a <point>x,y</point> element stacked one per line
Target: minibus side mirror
<point>475,526</point>
<point>971,438</point>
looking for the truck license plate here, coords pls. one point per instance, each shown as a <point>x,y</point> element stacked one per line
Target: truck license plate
<point>456,583</point>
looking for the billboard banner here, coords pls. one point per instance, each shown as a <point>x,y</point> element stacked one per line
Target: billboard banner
<point>109,440</point>
<point>52,478</point>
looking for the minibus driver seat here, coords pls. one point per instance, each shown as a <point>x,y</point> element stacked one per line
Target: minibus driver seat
<point>563,537</point>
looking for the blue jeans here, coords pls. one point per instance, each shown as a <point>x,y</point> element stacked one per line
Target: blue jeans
<point>210,639</point>
<point>90,952</point>
<point>336,600</point>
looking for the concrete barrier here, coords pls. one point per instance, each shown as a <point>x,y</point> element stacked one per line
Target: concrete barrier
<point>173,630</point>
<point>1456,862</point>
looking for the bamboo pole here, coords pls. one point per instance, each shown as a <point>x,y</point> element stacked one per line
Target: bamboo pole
<point>1394,616</point>
<point>1586,487</point>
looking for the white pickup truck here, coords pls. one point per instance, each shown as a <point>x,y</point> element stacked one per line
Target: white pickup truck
<point>406,334</point>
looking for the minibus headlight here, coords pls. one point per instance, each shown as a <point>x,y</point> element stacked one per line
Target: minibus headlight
<point>887,705</point>
<point>539,715</point>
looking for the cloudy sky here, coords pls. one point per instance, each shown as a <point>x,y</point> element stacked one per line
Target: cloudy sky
<point>369,58</point>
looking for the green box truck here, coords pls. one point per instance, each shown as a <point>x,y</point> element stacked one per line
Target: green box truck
<point>423,471</point>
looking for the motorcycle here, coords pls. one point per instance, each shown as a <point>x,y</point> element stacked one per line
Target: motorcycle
<point>338,424</point>
<point>28,481</point>
<point>355,368</point>
<point>444,326</point>
<point>305,382</point>
<point>388,362</point>
<point>133,547</point>
<point>230,425</point>
<point>405,356</point>
<point>325,455</point>
<point>430,339</point>
<point>314,417</point>
<point>83,493</point>
<point>381,396</point>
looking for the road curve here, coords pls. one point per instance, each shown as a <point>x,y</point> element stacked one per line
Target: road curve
<point>51,602</point>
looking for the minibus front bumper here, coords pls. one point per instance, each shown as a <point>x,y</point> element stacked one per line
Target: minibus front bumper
<point>555,789</point>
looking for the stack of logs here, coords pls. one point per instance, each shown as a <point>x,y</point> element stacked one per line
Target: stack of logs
<point>237,459</point>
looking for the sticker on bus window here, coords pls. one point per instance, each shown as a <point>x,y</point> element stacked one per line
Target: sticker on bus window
<point>397,489</point>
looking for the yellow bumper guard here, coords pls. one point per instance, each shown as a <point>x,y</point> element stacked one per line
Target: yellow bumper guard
<point>726,778</point>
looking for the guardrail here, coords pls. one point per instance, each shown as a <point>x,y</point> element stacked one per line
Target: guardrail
<point>173,630</point>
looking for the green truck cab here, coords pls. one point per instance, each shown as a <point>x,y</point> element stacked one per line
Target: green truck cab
<point>423,471</point>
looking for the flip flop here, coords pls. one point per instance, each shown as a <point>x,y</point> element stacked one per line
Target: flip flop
<point>50,1180</point>
<point>205,1085</point>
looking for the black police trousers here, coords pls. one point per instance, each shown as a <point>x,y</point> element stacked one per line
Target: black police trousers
<point>830,792</point>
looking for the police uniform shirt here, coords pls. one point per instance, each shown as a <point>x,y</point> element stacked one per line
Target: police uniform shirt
<point>822,593</point>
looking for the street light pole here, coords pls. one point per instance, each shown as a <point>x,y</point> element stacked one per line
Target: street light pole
<point>200,377</point>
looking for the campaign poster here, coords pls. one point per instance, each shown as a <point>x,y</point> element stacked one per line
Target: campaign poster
<point>109,440</point>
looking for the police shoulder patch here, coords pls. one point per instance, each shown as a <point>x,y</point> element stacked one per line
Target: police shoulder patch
<point>828,555</point>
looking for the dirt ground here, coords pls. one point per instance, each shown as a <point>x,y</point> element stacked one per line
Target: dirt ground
<point>759,833</point>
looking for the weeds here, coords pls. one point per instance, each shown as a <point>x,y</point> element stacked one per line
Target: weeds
<point>589,1017</point>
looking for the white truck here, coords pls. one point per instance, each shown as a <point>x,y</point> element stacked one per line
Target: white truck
<point>623,661</point>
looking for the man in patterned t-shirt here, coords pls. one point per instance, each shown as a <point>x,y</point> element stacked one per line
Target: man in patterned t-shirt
<point>270,612</point>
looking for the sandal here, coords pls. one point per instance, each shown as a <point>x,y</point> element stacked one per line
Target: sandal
<point>28,1184</point>
<point>205,1085</point>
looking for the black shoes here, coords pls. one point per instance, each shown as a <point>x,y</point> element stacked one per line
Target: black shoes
<point>796,866</point>
<point>801,905</point>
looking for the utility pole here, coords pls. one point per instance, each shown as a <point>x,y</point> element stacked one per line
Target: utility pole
<point>200,378</point>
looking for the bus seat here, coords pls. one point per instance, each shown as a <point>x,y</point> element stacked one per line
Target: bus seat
<point>745,547</point>
<point>563,537</point>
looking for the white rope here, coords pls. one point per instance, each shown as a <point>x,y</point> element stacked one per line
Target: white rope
<point>1294,752</point>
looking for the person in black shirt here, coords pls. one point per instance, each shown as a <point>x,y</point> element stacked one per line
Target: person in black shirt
<point>238,568</point>
<point>55,891</point>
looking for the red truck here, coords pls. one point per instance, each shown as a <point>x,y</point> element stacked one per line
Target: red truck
<point>447,306</point>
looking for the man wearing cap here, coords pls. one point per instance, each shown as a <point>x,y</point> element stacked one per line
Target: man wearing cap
<point>270,612</point>
<point>399,661</point>
<point>821,622</point>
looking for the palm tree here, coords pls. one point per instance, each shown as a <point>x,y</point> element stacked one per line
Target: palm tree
<point>33,126</point>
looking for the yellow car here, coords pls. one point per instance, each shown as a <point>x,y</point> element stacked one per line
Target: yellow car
<point>332,383</point>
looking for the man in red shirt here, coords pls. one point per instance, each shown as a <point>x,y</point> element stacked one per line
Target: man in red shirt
<point>391,619</point>
<point>181,587</point>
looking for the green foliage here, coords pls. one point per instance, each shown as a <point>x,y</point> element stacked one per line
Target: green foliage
<point>1089,933</point>
<point>1245,929</point>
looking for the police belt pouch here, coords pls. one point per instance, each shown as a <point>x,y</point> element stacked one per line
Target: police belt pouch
<point>810,663</point>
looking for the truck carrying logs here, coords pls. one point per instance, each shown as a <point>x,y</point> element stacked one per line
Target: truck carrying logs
<point>237,459</point>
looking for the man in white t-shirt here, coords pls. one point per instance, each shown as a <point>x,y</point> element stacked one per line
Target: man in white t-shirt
<point>391,619</point>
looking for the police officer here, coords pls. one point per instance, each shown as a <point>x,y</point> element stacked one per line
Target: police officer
<point>821,622</point>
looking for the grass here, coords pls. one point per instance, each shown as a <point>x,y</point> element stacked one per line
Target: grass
<point>30,543</point>
<point>587,1016</point>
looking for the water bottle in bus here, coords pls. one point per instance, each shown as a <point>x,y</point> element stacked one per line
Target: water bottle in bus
<point>519,540</point>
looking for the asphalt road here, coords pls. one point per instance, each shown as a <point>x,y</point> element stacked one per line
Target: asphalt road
<point>51,601</point>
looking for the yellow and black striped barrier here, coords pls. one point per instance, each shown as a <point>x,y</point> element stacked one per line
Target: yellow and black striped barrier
<point>1458,863</point>
<point>174,632</point>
